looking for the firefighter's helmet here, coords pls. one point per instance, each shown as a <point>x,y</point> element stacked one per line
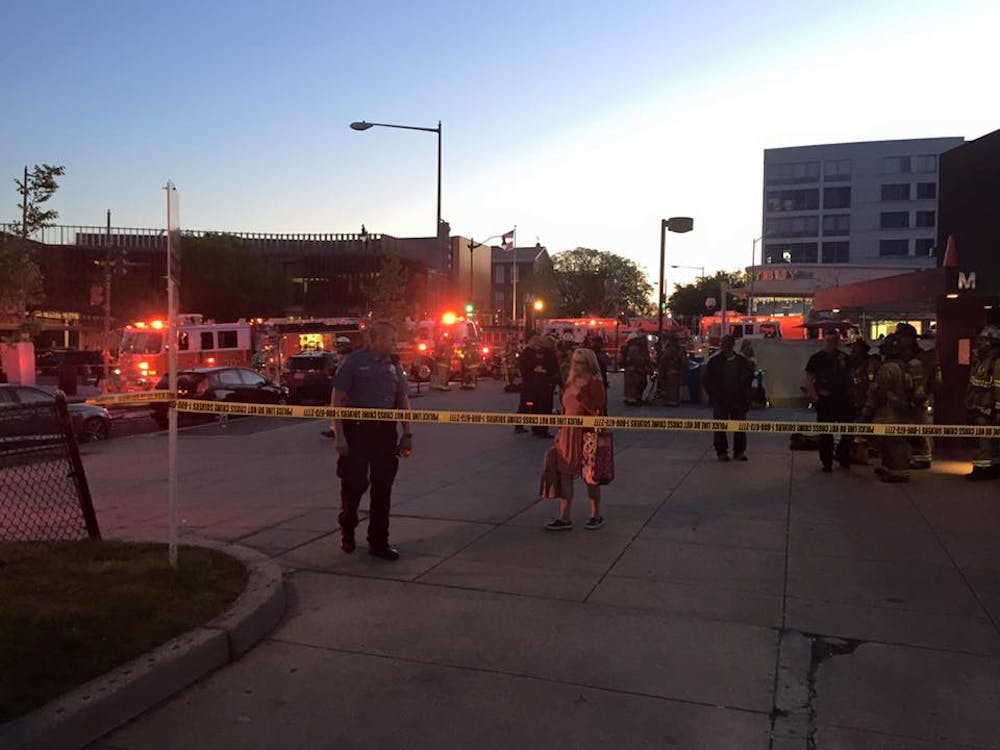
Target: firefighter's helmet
<point>341,340</point>
<point>990,333</point>
<point>889,348</point>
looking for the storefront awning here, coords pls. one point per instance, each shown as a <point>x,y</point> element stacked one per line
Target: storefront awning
<point>912,294</point>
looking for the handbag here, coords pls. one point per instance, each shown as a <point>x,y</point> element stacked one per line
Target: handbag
<point>598,457</point>
<point>550,487</point>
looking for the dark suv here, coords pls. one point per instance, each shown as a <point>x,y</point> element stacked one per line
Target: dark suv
<point>310,376</point>
<point>219,384</point>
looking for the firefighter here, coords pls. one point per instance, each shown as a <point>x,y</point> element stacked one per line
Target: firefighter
<point>670,373</point>
<point>635,360</point>
<point>982,402</point>
<point>890,402</point>
<point>511,351</point>
<point>925,371</point>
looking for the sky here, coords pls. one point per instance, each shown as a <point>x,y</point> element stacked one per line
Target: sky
<point>582,123</point>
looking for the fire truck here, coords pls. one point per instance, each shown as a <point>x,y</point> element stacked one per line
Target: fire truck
<point>263,344</point>
<point>452,342</point>
<point>142,355</point>
<point>751,327</point>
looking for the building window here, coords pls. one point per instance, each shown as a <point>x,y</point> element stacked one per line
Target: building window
<point>499,274</point>
<point>926,218</point>
<point>926,190</point>
<point>836,252</point>
<point>837,197</point>
<point>793,200</point>
<point>926,163</point>
<point>837,170</point>
<point>895,219</point>
<point>923,248</point>
<point>790,174</point>
<point>792,226</point>
<point>896,192</point>
<point>836,225</point>
<point>228,340</point>
<point>791,252</point>
<point>498,300</point>
<point>896,165</point>
<point>893,247</point>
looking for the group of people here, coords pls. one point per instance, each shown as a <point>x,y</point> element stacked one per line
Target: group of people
<point>892,387</point>
<point>666,366</point>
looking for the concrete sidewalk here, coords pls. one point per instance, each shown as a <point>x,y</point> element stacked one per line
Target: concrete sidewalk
<point>729,605</point>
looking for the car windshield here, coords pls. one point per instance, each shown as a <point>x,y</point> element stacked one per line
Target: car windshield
<point>142,342</point>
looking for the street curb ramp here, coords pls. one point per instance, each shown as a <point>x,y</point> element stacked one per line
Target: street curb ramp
<point>95,708</point>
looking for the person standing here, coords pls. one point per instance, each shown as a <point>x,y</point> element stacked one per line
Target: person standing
<point>889,402</point>
<point>925,371</point>
<point>828,374</point>
<point>368,450</point>
<point>670,373</point>
<point>582,394</point>
<point>539,375</point>
<point>635,360</point>
<point>982,402</point>
<point>728,378</point>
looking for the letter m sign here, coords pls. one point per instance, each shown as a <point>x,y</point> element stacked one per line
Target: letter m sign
<point>966,280</point>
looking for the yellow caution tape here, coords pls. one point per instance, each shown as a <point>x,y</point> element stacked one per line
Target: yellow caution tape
<point>132,397</point>
<point>559,420</point>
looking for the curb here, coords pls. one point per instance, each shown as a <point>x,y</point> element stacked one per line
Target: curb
<point>95,708</point>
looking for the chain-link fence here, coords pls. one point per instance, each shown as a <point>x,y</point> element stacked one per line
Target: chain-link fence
<point>43,488</point>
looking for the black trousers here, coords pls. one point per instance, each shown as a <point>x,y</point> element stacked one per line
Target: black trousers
<point>834,410</point>
<point>538,398</point>
<point>371,460</point>
<point>729,409</point>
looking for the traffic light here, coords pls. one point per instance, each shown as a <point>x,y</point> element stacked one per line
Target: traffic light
<point>470,309</point>
<point>663,307</point>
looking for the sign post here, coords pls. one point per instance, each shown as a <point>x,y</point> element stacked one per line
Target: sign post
<point>173,281</point>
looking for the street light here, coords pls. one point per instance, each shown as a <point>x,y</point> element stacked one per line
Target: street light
<point>679,224</point>
<point>753,261</point>
<point>362,125</point>
<point>694,268</point>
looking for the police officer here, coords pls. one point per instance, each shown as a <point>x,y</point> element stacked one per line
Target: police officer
<point>828,373</point>
<point>728,379</point>
<point>889,402</point>
<point>982,402</point>
<point>367,450</point>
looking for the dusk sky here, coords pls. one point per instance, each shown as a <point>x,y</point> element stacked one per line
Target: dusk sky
<point>583,123</point>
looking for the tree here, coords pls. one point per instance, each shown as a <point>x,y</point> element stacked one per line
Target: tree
<point>688,300</point>
<point>35,189</point>
<point>579,281</point>
<point>226,278</point>
<point>387,292</point>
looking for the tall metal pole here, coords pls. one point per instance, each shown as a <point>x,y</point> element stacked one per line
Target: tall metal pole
<point>107,308</point>
<point>442,252</point>
<point>514,274</point>
<point>659,305</point>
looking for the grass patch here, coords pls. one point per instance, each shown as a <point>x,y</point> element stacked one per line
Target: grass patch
<point>71,611</point>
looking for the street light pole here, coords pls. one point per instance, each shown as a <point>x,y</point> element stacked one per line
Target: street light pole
<point>753,275</point>
<point>679,224</point>
<point>363,125</point>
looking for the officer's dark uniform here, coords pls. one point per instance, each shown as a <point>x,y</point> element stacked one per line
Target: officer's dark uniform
<point>832,375</point>
<point>372,446</point>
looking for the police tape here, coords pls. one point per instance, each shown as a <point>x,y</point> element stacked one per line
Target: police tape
<point>560,420</point>
<point>131,397</point>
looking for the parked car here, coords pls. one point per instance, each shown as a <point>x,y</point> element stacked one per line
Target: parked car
<point>219,384</point>
<point>310,376</point>
<point>90,422</point>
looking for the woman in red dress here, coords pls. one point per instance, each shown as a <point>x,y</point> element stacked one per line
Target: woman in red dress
<point>582,394</point>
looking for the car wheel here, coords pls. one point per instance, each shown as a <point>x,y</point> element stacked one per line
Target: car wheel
<point>94,430</point>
